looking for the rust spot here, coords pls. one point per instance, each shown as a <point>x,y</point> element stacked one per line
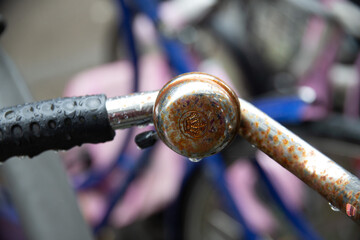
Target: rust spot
<point>276,139</point>
<point>278,132</point>
<point>340,198</point>
<point>339,181</point>
<point>257,124</point>
<point>285,141</point>
<point>267,132</point>
<point>291,149</point>
<point>296,157</point>
<point>262,132</point>
<point>357,195</point>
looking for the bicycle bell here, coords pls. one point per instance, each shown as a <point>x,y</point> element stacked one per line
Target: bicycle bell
<point>196,115</point>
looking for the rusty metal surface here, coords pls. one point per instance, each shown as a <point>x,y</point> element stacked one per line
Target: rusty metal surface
<point>338,186</point>
<point>196,115</point>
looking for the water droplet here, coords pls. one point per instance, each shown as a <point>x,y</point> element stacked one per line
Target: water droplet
<point>335,209</point>
<point>252,145</point>
<point>195,159</point>
<point>27,112</point>
<point>47,108</point>
<point>70,114</point>
<point>93,103</point>
<point>9,115</point>
<point>68,105</point>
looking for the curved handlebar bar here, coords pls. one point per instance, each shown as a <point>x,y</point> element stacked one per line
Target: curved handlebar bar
<point>195,114</point>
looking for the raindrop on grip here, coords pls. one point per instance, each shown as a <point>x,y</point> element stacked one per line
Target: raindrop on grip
<point>58,124</point>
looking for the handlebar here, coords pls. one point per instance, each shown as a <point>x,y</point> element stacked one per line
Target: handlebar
<point>58,124</point>
<point>195,114</point>
<point>338,186</point>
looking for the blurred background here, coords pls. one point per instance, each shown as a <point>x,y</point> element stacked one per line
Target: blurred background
<point>296,60</point>
<point>52,41</point>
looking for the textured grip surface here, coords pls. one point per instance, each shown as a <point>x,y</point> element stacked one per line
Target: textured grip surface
<point>57,124</point>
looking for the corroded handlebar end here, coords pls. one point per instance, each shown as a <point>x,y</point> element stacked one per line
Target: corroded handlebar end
<point>196,115</point>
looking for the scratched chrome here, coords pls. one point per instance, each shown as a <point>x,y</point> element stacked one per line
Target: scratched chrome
<point>196,115</point>
<point>131,110</point>
<point>338,186</point>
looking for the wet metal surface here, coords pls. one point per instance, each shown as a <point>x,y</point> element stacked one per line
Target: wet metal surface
<point>338,186</point>
<point>131,110</point>
<point>196,115</point>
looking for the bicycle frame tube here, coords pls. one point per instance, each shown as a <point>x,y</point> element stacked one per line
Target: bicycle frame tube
<point>338,186</point>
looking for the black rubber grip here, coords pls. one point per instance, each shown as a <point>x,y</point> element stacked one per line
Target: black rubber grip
<point>58,124</point>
